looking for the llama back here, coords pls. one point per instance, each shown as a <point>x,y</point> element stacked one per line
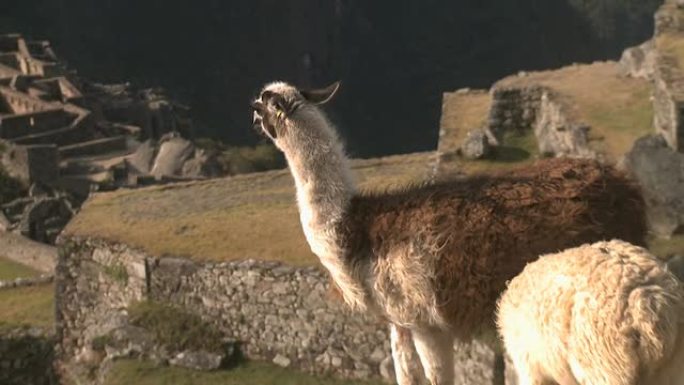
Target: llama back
<point>481,231</point>
<point>603,313</point>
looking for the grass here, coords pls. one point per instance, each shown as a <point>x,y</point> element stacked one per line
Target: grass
<point>126,372</point>
<point>617,108</point>
<point>461,112</point>
<point>663,248</point>
<point>32,306</point>
<point>174,328</point>
<point>246,216</point>
<point>11,270</point>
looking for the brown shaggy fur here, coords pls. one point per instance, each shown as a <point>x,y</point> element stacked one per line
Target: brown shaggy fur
<point>485,229</point>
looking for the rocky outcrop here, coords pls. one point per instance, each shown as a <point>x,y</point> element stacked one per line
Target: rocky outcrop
<point>476,145</point>
<point>41,215</point>
<point>557,134</point>
<point>172,156</point>
<point>277,313</point>
<point>639,61</point>
<point>660,172</point>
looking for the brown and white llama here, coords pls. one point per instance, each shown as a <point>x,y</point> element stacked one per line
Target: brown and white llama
<point>607,313</point>
<point>432,260</point>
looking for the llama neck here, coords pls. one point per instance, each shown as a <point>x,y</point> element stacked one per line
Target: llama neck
<point>324,189</point>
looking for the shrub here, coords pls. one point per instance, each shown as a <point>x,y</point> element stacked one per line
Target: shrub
<point>175,328</point>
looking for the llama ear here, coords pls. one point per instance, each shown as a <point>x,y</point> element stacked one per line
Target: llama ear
<point>322,95</point>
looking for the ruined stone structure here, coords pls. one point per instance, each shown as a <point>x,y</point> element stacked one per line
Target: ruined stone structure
<point>660,61</point>
<point>67,132</point>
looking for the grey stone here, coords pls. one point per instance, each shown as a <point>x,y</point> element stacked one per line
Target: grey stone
<point>557,134</point>
<point>197,360</point>
<point>475,145</point>
<point>639,61</point>
<point>660,173</point>
<point>281,360</point>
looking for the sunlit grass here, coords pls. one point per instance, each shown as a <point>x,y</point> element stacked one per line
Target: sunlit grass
<point>249,216</point>
<point>11,270</point>
<point>32,306</point>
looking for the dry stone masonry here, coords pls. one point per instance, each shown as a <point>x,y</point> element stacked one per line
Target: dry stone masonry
<point>275,312</point>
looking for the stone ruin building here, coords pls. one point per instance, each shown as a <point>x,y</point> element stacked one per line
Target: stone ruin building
<point>65,133</point>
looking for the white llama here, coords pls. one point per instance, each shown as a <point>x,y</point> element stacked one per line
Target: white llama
<point>432,260</point>
<point>607,313</point>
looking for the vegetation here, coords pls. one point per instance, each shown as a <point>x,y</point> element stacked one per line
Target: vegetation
<point>125,372</point>
<point>117,272</point>
<point>241,160</point>
<point>175,328</point>
<point>33,305</point>
<point>11,270</point>
<point>665,248</point>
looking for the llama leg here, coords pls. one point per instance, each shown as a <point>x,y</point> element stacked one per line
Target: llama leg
<point>436,350</point>
<point>404,356</point>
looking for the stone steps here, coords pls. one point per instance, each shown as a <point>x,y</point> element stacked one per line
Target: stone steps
<point>94,147</point>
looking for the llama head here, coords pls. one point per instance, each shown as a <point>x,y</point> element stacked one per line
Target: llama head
<point>282,108</point>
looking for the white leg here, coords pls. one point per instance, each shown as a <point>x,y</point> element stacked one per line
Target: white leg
<point>404,356</point>
<point>436,350</point>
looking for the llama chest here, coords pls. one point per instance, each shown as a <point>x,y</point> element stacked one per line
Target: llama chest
<point>403,288</point>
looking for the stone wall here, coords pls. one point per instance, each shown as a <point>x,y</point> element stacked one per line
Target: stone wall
<point>276,312</point>
<point>37,255</point>
<point>514,109</point>
<point>668,101</point>
<point>33,163</point>
<point>26,357</point>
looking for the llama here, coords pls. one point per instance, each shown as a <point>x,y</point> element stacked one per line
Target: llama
<point>432,260</point>
<point>607,313</point>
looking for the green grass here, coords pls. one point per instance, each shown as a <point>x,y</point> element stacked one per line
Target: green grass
<point>127,372</point>
<point>175,328</point>
<point>11,270</point>
<point>32,306</point>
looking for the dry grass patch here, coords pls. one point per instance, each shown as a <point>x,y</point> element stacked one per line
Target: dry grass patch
<point>617,108</point>
<point>32,306</point>
<point>462,112</point>
<point>246,216</point>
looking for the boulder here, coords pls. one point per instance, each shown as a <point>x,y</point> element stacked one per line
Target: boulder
<point>173,153</point>
<point>639,61</point>
<point>476,145</point>
<point>557,134</point>
<point>660,172</point>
